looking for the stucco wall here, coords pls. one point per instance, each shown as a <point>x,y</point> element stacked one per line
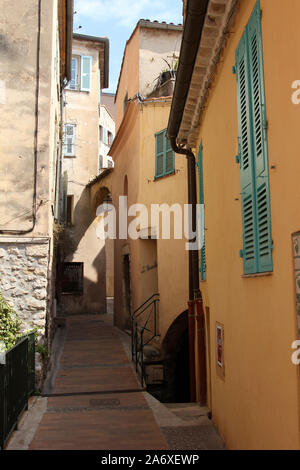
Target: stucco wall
<point>26,90</point>
<point>81,243</point>
<point>257,404</point>
<point>156,47</point>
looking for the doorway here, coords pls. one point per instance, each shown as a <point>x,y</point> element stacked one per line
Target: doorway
<point>127,291</point>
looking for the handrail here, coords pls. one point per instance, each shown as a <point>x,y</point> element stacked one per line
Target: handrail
<point>137,332</point>
<point>146,301</point>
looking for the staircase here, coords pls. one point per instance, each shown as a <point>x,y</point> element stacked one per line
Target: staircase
<point>144,339</point>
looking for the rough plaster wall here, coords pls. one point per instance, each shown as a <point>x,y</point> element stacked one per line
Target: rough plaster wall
<point>23,281</point>
<point>155,46</point>
<point>18,65</point>
<point>25,263</point>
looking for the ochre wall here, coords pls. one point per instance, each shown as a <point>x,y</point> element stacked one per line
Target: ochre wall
<point>135,157</point>
<point>257,404</point>
<point>129,75</point>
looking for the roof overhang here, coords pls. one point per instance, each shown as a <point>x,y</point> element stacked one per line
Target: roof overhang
<point>192,88</point>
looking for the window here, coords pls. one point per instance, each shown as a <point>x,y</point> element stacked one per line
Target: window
<point>81,73</point>
<point>73,85</point>
<point>110,162</point>
<point>110,138</point>
<point>101,133</point>
<point>201,215</point>
<point>69,140</point>
<point>253,150</point>
<point>105,136</point>
<point>100,162</point>
<point>70,209</point>
<point>72,278</point>
<point>86,72</point>
<point>164,155</point>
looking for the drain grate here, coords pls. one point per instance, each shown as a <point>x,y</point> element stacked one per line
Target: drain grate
<point>104,402</point>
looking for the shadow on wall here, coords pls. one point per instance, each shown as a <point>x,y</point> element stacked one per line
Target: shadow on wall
<point>175,351</point>
<point>80,244</point>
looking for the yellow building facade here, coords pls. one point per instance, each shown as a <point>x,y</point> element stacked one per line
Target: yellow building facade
<point>251,317</point>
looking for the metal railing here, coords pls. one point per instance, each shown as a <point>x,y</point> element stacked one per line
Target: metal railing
<point>17,379</point>
<point>143,331</point>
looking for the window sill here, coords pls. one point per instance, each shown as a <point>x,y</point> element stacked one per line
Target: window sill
<point>246,276</point>
<point>157,178</point>
<point>69,156</point>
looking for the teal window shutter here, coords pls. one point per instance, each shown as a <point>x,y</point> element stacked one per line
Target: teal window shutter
<point>201,215</point>
<point>260,143</point>
<point>86,73</point>
<point>253,150</point>
<point>164,155</point>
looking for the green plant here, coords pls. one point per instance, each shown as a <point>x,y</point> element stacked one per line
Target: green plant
<point>10,324</point>
<point>42,350</point>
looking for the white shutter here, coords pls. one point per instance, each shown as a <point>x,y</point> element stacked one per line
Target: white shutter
<point>86,72</point>
<point>74,80</point>
<point>69,140</point>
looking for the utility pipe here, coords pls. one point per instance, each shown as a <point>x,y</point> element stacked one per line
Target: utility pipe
<point>194,21</point>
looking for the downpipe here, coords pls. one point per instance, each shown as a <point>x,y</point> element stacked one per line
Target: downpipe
<point>196,320</point>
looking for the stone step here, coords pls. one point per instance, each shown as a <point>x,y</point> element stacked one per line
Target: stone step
<point>188,411</point>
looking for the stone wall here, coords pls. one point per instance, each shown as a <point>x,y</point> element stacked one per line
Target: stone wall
<point>24,280</point>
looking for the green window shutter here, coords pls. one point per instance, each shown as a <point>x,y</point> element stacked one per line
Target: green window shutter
<point>159,151</point>
<point>164,155</point>
<point>245,150</point>
<point>86,73</point>
<point>170,164</point>
<point>260,143</point>
<point>201,215</point>
<point>257,239</point>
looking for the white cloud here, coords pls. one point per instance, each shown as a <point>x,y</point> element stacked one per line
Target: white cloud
<point>126,12</point>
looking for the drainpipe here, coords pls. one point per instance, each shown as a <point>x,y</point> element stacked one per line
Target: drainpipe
<point>192,32</point>
<point>194,290</point>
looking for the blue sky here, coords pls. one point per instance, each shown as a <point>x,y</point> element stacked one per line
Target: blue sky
<point>116,19</point>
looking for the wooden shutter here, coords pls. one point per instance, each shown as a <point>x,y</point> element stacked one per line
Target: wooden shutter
<point>260,145</point>
<point>169,155</point>
<point>159,154</point>
<point>86,72</point>
<point>165,158</point>
<point>253,152</point>
<point>201,215</point>
<point>245,155</point>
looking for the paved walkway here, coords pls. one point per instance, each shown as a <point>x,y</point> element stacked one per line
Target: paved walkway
<point>96,402</point>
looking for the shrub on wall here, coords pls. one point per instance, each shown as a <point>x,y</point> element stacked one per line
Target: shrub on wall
<point>10,324</point>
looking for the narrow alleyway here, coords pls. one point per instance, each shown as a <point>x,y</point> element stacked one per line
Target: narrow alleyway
<point>94,400</point>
